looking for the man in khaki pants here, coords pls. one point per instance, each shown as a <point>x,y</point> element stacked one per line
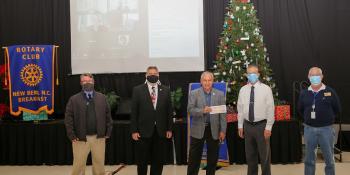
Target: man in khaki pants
<point>88,123</point>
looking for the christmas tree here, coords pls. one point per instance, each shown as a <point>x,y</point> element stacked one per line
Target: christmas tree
<point>241,44</point>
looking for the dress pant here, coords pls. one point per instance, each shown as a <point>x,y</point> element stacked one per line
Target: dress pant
<point>81,150</point>
<point>196,150</point>
<point>151,150</point>
<point>256,146</point>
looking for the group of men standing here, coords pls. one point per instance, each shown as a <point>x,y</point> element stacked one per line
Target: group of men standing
<point>89,123</point>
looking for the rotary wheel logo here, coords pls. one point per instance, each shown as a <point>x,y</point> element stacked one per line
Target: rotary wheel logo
<point>31,74</point>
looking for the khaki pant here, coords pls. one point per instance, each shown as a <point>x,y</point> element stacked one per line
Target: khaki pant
<point>81,150</point>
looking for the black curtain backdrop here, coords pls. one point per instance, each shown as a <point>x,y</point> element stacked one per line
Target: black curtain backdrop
<point>298,34</point>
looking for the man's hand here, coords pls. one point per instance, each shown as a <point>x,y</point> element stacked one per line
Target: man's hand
<point>267,134</point>
<point>136,136</point>
<point>240,133</point>
<point>75,140</point>
<point>207,109</point>
<point>222,136</point>
<point>169,134</point>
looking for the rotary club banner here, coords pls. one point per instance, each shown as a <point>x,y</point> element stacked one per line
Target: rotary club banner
<point>223,159</point>
<point>31,78</point>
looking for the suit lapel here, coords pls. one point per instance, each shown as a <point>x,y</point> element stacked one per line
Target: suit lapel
<point>213,96</point>
<point>148,95</point>
<point>160,94</point>
<point>201,94</point>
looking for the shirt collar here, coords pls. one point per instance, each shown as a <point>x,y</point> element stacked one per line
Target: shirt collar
<point>255,85</point>
<point>323,87</point>
<point>88,92</point>
<point>149,85</point>
<point>205,93</point>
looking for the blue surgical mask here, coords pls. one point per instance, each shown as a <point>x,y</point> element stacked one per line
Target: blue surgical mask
<point>253,78</point>
<point>315,80</point>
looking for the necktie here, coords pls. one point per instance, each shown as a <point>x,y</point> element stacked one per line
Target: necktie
<point>251,105</point>
<point>208,100</point>
<point>89,96</point>
<point>153,95</point>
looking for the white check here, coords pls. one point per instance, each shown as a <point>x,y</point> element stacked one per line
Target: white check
<point>218,109</point>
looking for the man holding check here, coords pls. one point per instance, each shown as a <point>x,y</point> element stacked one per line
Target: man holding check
<point>208,124</point>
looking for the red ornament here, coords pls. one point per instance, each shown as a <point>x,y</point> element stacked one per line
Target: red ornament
<point>245,1</point>
<point>3,77</point>
<point>3,109</point>
<point>230,22</point>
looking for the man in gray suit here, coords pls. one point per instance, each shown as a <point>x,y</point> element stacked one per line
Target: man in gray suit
<point>205,126</point>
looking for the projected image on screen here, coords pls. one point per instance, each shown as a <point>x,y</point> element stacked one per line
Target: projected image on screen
<point>116,36</point>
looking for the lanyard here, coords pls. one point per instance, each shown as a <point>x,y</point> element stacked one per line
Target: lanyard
<point>314,102</point>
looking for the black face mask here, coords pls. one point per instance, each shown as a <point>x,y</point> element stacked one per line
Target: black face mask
<point>88,87</point>
<point>152,78</point>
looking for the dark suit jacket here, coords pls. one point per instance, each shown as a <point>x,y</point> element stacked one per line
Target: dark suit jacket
<point>75,116</point>
<point>143,114</point>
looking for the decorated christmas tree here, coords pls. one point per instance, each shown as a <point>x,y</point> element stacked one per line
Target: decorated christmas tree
<point>241,44</point>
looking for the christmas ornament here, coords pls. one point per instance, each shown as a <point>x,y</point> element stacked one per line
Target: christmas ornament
<point>246,64</point>
<point>236,62</point>
<point>243,52</point>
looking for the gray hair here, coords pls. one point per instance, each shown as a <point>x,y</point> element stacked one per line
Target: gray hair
<point>315,68</point>
<point>152,67</point>
<point>207,73</point>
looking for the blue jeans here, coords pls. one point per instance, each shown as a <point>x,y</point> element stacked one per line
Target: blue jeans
<point>324,137</point>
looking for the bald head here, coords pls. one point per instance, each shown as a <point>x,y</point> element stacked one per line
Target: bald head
<point>253,69</point>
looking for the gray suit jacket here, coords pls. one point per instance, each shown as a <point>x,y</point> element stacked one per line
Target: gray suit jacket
<point>196,104</point>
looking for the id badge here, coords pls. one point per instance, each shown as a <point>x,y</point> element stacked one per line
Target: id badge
<point>313,115</point>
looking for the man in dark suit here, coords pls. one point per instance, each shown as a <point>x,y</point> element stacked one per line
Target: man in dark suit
<point>88,123</point>
<point>151,122</point>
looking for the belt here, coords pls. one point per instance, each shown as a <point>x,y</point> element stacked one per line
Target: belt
<point>255,123</point>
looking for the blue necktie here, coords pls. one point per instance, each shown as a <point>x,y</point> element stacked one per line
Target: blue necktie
<point>89,96</point>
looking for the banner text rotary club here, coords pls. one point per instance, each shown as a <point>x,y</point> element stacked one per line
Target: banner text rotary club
<point>27,52</point>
